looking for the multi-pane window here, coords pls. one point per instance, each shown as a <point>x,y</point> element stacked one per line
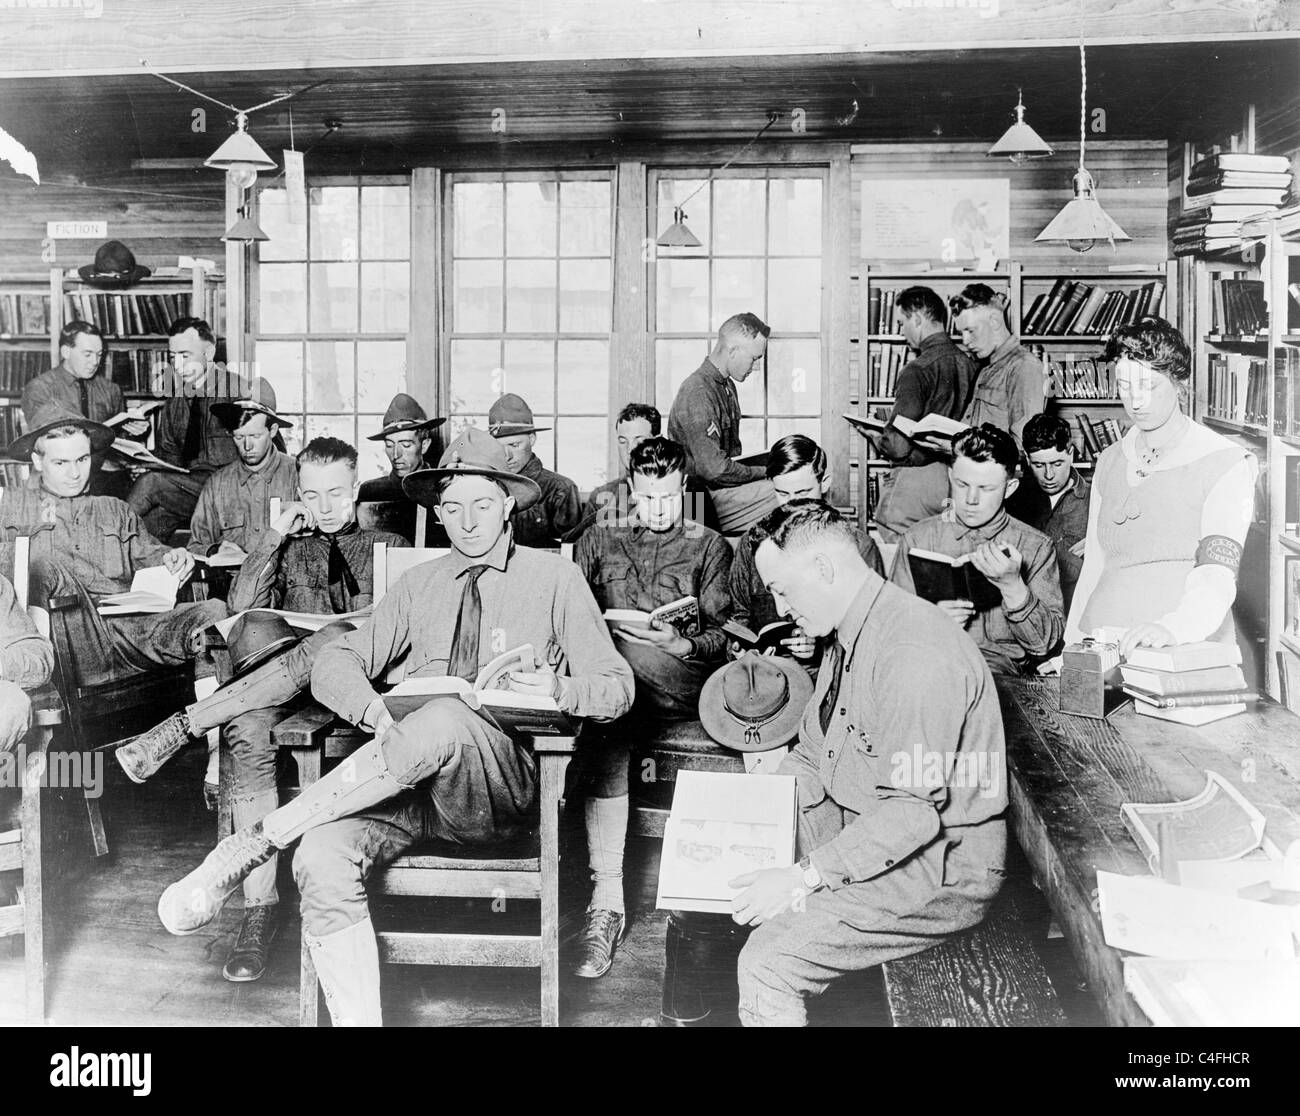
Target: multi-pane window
<point>333,310</point>
<point>530,307</point>
<point>761,243</point>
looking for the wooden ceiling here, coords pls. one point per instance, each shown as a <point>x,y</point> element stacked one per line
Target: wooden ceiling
<point>392,118</point>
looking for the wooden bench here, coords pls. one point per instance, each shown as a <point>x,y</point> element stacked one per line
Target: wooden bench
<point>988,976</point>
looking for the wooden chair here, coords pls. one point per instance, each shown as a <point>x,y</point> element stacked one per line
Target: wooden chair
<point>20,849</point>
<point>315,735</point>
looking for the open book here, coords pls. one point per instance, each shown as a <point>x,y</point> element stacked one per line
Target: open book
<point>866,424</point>
<point>770,635</point>
<point>939,577</point>
<point>152,590</point>
<point>490,696</point>
<point>683,614</point>
<point>937,427</point>
<point>226,559</point>
<point>1217,824</point>
<point>136,454</point>
<point>723,826</point>
<point>135,413</point>
<point>303,621</point>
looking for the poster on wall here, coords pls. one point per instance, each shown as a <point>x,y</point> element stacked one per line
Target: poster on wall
<point>961,220</point>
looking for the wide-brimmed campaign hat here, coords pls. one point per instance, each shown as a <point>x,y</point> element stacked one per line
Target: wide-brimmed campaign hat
<point>510,415</point>
<point>233,413</point>
<point>755,703</point>
<point>48,418</point>
<point>404,414</point>
<point>114,266</point>
<point>474,453</point>
<point>255,637</point>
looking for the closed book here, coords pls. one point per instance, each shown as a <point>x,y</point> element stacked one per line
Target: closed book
<point>1261,196</point>
<point>1065,308</point>
<point>1233,179</point>
<point>1091,305</point>
<point>1167,682</point>
<point>1205,715</point>
<point>1048,308</point>
<point>1193,701</point>
<point>1240,161</point>
<point>1186,656</point>
<point>1220,212</point>
<point>941,577</point>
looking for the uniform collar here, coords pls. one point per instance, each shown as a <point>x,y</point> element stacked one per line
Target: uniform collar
<point>640,530</point>
<point>246,474</point>
<point>533,469</point>
<point>855,619</point>
<point>498,557</point>
<point>1003,351</point>
<point>991,530</point>
<point>938,339</point>
<point>718,373</point>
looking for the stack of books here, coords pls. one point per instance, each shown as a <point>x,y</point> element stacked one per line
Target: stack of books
<point>1222,191</point>
<point>1191,683</point>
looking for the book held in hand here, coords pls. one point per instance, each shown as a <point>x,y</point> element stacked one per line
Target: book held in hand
<point>939,577</point>
<point>682,615</point>
<point>136,454</point>
<point>938,427</point>
<point>137,412</point>
<point>770,635</point>
<point>152,590</point>
<point>490,695</point>
<point>723,826</point>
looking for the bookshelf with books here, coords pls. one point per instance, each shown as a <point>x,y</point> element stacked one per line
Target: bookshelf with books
<point>1277,240</point>
<point>24,331</point>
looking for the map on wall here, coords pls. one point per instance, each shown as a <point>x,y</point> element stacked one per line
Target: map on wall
<point>957,220</point>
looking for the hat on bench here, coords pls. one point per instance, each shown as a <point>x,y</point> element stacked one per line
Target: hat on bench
<point>404,414</point>
<point>755,703</point>
<point>474,453</point>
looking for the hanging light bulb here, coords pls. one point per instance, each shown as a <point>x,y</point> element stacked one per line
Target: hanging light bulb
<point>1020,142</point>
<point>1083,223</point>
<point>677,235</point>
<point>240,156</point>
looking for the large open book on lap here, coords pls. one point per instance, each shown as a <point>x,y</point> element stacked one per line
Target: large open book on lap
<point>940,577</point>
<point>490,696</point>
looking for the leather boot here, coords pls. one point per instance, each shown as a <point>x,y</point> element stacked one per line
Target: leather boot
<point>359,782</point>
<point>247,960</point>
<point>191,903</point>
<point>347,966</point>
<point>146,753</point>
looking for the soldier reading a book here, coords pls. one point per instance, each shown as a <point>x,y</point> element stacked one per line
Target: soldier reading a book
<point>312,559</point>
<point>652,558</point>
<point>992,575</point>
<point>471,781</point>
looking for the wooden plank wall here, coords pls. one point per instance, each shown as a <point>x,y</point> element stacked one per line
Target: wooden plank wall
<point>158,216</point>
<point>1132,186</point>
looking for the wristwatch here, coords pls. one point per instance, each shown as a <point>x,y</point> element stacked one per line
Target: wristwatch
<point>812,879</point>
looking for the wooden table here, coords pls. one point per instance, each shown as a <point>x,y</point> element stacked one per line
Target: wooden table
<point>1069,775</point>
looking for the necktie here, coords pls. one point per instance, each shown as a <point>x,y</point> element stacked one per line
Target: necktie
<point>832,661</point>
<point>464,641</point>
<point>342,582</point>
<point>193,434</point>
<point>83,390</point>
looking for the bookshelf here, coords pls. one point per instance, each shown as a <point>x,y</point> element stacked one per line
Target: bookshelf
<point>1068,340</point>
<point>1278,234</point>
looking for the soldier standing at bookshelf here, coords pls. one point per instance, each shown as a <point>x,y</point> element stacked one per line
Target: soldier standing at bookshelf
<point>1010,388</point>
<point>189,434</point>
<point>80,385</point>
<point>653,557</point>
<point>937,381</point>
<point>443,771</point>
<point>235,503</point>
<point>315,559</point>
<point>1022,622</point>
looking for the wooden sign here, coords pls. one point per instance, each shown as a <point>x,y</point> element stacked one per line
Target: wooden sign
<point>76,230</point>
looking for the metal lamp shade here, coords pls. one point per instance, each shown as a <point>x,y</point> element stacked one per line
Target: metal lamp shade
<point>1083,222</point>
<point>240,150</point>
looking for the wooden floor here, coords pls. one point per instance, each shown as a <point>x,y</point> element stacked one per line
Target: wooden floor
<point>111,963</point>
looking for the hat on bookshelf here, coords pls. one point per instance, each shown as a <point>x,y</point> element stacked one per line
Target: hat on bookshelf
<point>256,636</point>
<point>404,414</point>
<point>474,453</point>
<point>233,413</point>
<point>755,703</point>
<point>51,418</point>
<point>509,416</point>
<point>114,266</point>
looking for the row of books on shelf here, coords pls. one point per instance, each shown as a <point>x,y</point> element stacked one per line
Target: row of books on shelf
<point>24,315</point>
<point>1095,435</point>
<point>133,370</point>
<point>1077,375</point>
<point>884,362</point>
<point>1236,388</point>
<point>1237,305</point>
<point>1286,391</point>
<point>127,315</point>
<point>1072,307</point>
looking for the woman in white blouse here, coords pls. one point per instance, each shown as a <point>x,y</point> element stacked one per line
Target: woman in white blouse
<point>1171,504</point>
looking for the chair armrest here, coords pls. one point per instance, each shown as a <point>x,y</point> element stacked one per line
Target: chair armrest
<point>63,603</point>
<point>47,705</point>
<point>555,745</point>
